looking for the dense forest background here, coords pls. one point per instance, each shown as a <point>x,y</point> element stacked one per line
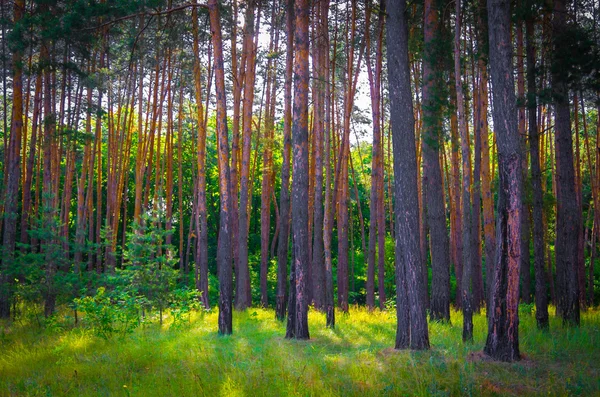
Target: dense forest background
<point>142,169</point>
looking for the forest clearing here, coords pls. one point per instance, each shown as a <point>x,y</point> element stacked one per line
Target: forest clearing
<point>354,359</point>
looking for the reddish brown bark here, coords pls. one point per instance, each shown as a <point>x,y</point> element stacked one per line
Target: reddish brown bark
<point>503,323</point>
<point>284,217</point>
<point>13,172</point>
<point>319,92</point>
<point>224,261</point>
<point>267,177</point>
<point>467,206</point>
<point>243,293</point>
<point>541,291</point>
<point>297,326</point>
<point>432,173</point>
<point>201,272</point>
<point>410,306</point>
<point>567,218</point>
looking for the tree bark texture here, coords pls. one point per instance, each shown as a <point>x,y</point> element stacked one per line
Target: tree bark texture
<point>503,322</point>
<point>410,306</point>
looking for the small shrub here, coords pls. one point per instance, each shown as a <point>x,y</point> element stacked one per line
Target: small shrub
<point>105,316</point>
<point>184,300</point>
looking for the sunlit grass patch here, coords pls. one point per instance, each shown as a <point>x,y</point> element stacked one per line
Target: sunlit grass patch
<point>354,359</point>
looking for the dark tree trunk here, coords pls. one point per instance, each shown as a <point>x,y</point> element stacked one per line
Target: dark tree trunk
<point>432,172</point>
<point>376,205</point>
<point>224,260</point>
<point>298,328</point>
<point>317,266</point>
<point>468,254</point>
<point>567,218</point>
<point>412,320</point>
<point>525,274</point>
<point>486,189</point>
<point>243,293</point>
<point>284,198</point>
<point>328,210</point>
<point>13,172</point>
<point>201,223</point>
<point>267,178</point>
<point>503,322</point>
<point>541,290</point>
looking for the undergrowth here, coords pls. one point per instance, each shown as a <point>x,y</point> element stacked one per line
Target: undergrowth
<point>355,359</point>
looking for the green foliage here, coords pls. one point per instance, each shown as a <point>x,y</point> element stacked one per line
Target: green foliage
<point>354,359</point>
<point>184,301</point>
<point>148,263</point>
<point>107,316</point>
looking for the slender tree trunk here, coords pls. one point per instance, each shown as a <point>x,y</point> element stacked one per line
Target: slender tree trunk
<point>224,262</point>
<point>284,198</point>
<point>297,326</point>
<point>456,231</point>
<point>201,223</point>
<point>267,177</point>
<point>432,173</point>
<point>412,320</point>
<point>342,179</point>
<point>13,171</point>
<point>243,296</point>
<point>541,291</point>
<point>486,188</point>
<point>478,289</point>
<point>567,218</point>
<point>525,236</point>
<point>467,207</point>
<point>329,207</point>
<point>503,322</point>
<point>318,266</point>
<point>578,191</point>
<point>376,208</point>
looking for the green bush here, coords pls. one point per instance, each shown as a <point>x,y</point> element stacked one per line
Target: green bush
<point>107,317</point>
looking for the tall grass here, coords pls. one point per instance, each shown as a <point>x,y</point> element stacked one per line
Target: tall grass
<point>355,359</point>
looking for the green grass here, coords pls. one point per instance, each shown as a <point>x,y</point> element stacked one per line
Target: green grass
<point>354,359</point>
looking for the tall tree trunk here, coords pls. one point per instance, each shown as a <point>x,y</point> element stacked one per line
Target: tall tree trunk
<point>468,255</point>
<point>267,177</point>
<point>478,289</point>
<point>297,326</point>
<point>13,172</point>
<point>456,229</point>
<point>412,320</point>
<point>541,291</point>
<point>342,177</point>
<point>525,236</point>
<point>318,266</point>
<point>243,293</point>
<point>224,263</point>
<point>567,218</point>
<point>503,322</point>
<point>329,207</point>
<point>284,197</point>
<point>341,184</point>
<point>432,172</point>
<point>201,223</point>
<point>578,191</point>
<point>486,181</point>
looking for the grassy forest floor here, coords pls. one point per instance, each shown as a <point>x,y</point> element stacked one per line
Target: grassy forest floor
<point>354,359</point>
